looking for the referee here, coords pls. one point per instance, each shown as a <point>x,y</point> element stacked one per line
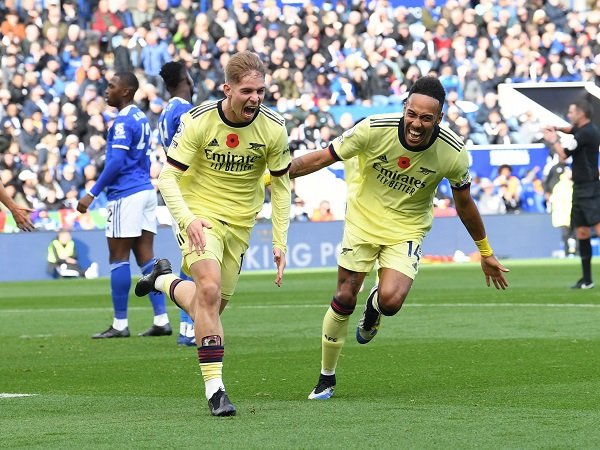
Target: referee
<point>585,212</point>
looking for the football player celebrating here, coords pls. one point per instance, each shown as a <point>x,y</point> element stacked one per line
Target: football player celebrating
<point>402,159</point>
<point>213,186</point>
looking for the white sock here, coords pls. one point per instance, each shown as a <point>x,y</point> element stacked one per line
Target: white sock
<point>120,324</point>
<point>189,331</point>
<point>161,320</point>
<point>212,386</point>
<point>375,302</point>
<point>158,283</point>
<point>327,372</point>
<point>183,328</point>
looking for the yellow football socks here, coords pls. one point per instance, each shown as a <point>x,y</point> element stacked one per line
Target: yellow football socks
<point>166,284</point>
<point>335,329</point>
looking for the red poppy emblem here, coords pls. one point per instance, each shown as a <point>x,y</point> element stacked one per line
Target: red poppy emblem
<point>404,162</point>
<point>232,140</point>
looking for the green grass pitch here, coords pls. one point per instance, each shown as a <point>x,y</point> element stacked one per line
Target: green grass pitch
<point>462,366</point>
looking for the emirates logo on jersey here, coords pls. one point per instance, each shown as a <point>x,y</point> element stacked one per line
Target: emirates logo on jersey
<point>232,140</point>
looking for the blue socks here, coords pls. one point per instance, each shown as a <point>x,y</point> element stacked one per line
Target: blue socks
<point>120,283</point>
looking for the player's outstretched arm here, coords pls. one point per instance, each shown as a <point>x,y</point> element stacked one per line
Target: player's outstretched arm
<point>311,162</point>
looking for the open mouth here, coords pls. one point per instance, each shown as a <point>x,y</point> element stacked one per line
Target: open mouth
<point>414,136</point>
<point>249,111</point>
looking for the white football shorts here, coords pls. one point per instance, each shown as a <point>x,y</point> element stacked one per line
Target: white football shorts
<point>129,216</point>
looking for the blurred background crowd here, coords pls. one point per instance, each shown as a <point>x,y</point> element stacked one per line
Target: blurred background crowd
<point>56,56</point>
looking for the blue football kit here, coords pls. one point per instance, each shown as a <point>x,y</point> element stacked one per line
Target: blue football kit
<point>127,165</point>
<point>170,118</point>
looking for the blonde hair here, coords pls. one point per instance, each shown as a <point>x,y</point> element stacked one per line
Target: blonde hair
<point>242,64</point>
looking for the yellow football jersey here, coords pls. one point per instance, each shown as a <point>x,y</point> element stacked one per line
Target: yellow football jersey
<point>224,162</point>
<point>393,198</point>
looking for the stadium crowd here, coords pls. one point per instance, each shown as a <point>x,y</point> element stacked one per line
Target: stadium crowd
<point>57,55</point>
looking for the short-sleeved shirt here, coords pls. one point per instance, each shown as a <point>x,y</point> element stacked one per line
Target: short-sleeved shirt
<point>393,202</point>
<point>130,132</point>
<point>224,162</point>
<point>169,119</point>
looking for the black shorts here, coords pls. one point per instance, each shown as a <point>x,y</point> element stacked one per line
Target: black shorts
<point>585,211</point>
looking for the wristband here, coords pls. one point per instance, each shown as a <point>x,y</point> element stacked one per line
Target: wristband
<point>484,247</point>
<point>90,194</point>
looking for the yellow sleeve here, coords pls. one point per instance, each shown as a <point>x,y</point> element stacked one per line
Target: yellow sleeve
<point>168,183</point>
<point>281,200</point>
<point>352,141</point>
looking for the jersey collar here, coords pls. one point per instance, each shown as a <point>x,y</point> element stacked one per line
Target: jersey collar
<point>228,122</point>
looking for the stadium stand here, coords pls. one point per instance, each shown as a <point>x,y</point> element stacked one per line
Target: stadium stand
<point>323,59</point>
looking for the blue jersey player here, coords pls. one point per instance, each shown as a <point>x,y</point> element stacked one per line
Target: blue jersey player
<point>131,221</point>
<point>180,86</point>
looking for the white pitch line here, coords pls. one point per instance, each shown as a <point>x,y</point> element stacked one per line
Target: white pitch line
<point>280,306</point>
<point>8,395</point>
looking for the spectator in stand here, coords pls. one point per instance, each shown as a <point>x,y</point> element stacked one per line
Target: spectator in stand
<point>532,197</point>
<point>379,84</point>
<point>323,213</point>
<point>121,51</point>
<point>52,202</point>
<point>29,188</point>
<point>104,21</point>
<point>11,27</point>
<point>154,55</point>
<point>141,14</point>
<point>70,182</point>
<point>298,211</point>
<point>494,128</point>
<point>471,49</point>
<point>322,88</point>
<point>29,137</point>
<point>509,187</point>
<point>17,89</point>
<point>48,182</point>
<point>310,130</point>
<point>489,201</point>
<point>208,77</point>
<point>500,135</point>
<point>163,15</point>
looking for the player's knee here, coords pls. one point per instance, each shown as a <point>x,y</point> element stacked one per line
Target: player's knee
<point>209,293</point>
<point>346,295</point>
<point>391,302</point>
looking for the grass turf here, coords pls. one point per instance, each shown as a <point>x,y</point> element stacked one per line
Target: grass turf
<point>461,366</point>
